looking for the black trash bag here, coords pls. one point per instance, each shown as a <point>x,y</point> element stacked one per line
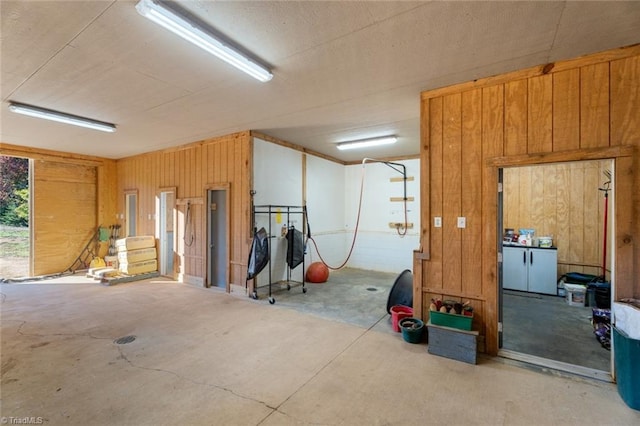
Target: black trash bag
<point>259,254</point>
<point>295,248</point>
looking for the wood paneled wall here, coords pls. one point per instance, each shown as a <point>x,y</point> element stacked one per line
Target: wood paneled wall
<point>72,195</point>
<point>586,108</point>
<point>192,169</point>
<point>562,201</point>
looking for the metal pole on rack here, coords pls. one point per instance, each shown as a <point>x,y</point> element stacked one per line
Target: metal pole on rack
<point>270,258</point>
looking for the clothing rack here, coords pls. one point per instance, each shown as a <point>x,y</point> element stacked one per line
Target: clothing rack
<point>288,212</point>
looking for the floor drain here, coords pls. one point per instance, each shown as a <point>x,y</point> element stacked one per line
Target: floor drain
<point>124,340</point>
<point>372,289</point>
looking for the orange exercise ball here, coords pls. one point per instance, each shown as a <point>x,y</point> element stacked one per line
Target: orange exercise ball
<point>317,273</point>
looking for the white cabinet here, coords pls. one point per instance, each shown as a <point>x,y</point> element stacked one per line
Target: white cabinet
<point>530,269</point>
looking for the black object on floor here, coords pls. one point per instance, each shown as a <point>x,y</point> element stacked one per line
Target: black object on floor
<point>402,291</point>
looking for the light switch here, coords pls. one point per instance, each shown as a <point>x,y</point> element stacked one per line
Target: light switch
<point>437,222</point>
<point>462,222</point>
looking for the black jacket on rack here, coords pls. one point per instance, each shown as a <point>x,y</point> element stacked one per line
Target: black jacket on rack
<point>259,254</point>
<point>295,248</point>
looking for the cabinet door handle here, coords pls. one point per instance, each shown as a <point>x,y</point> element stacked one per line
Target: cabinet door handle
<point>531,257</point>
<point>524,257</point>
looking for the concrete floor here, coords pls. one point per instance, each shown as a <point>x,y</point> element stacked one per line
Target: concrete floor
<point>202,357</point>
<point>547,327</point>
<point>353,296</point>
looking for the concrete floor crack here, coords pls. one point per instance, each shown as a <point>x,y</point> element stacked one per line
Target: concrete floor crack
<point>195,382</point>
<point>23,323</point>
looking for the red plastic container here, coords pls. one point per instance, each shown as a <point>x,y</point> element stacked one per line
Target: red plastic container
<point>399,312</point>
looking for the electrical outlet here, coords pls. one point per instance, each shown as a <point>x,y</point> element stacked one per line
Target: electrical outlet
<point>437,222</point>
<point>462,222</point>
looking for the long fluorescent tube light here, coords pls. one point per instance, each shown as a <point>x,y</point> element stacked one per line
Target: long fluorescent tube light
<point>169,19</point>
<point>61,117</point>
<point>364,143</point>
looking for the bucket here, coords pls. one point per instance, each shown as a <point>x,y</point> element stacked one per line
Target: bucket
<point>399,312</point>
<point>603,297</point>
<point>412,329</point>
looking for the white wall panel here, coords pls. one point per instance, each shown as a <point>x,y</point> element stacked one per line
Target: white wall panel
<point>277,180</point>
<point>277,174</point>
<point>379,247</point>
<point>325,195</point>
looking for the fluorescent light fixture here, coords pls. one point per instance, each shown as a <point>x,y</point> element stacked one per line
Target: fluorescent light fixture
<point>61,117</point>
<point>365,143</point>
<point>157,12</point>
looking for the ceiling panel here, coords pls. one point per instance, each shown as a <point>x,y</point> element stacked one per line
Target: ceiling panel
<point>588,27</point>
<point>34,32</point>
<point>341,69</point>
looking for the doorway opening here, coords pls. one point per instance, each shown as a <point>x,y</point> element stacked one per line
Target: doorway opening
<point>217,238</point>
<point>542,320</point>
<point>15,217</point>
<point>166,219</point>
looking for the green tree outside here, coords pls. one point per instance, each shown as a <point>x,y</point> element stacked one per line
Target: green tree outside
<point>14,191</point>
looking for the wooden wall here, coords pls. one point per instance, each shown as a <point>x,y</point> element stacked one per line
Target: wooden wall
<point>72,196</point>
<point>582,109</point>
<point>562,201</point>
<point>217,163</point>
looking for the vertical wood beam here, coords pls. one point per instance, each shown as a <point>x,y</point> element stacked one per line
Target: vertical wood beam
<point>492,145</point>
<point>471,279</point>
<point>452,193</point>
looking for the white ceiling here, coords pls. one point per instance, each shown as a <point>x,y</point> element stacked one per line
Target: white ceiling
<point>342,70</point>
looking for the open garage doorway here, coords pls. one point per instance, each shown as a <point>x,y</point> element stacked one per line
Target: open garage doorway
<point>15,241</point>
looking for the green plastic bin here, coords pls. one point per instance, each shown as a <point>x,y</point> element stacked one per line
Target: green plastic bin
<point>461,322</point>
<point>627,354</point>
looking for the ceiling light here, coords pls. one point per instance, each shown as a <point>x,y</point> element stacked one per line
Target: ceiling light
<point>365,143</point>
<point>61,117</point>
<point>169,19</point>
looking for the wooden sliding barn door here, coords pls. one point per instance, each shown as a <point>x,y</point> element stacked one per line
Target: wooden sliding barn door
<point>64,213</point>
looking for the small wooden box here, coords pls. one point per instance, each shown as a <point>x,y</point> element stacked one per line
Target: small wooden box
<point>461,345</point>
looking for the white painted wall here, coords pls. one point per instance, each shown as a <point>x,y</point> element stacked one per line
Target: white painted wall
<point>277,180</point>
<point>333,192</point>
<point>377,246</point>
<point>325,205</point>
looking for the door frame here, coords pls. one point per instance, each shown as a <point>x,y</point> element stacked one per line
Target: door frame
<point>500,165</point>
<point>161,258</point>
<point>207,225</point>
